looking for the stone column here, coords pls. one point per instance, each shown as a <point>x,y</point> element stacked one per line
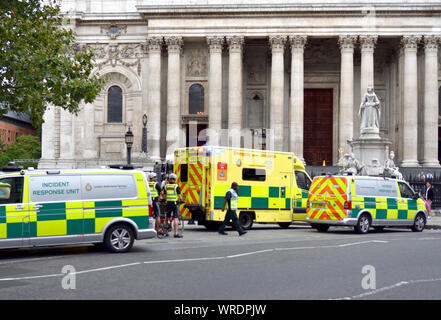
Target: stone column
<point>154,45</point>
<point>410,104</point>
<point>367,44</point>
<point>215,45</point>
<point>296,100</point>
<point>174,45</point>
<point>235,46</point>
<point>345,117</point>
<point>430,151</point>
<point>277,44</point>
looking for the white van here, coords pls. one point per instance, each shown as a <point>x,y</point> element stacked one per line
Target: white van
<point>60,207</point>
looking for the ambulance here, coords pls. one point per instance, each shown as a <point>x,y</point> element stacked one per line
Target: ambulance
<point>273,186</point>
<point>70,207</point>
<point>363,202</point>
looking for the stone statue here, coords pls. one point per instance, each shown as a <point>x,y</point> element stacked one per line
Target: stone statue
<point>369,112</point>
<point>351,165</point>
<point>390,169</point>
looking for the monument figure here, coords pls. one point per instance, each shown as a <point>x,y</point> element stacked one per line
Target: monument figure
<point>390,169</point>
<point>369,112</point>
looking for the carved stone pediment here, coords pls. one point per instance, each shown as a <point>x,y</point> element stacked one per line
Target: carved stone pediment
<point>196,62</point>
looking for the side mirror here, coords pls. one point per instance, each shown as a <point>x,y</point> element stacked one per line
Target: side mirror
<point>416,196</point>
<point>5,190</point>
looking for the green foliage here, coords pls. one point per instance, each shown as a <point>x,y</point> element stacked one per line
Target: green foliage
<point>25,147</point>
<point>38,65</point>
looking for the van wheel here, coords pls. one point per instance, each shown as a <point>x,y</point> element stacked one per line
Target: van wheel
<point>419,223</point>
<point>284,225</point>
<point>246,220</point>
<point>321,227</point>
<point>363,224</point>
<point>119,238</point>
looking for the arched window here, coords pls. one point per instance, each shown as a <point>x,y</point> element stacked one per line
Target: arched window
<point>114,104</point>
<point>196,99</point>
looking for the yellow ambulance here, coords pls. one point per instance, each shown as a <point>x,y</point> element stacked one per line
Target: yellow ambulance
<point>69,207</point>
<point>363,202</point>
<point>273,186</point>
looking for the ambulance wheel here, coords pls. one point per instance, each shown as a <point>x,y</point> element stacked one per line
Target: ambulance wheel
<point>363,224</point>
<point>284,225</point>
<point>119,238</point>
<point>419,223</point>
<point>246,220</point>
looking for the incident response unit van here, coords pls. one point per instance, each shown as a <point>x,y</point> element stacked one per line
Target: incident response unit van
<point>363,202</point>
<point>273,186</point>
<point>68,207</point>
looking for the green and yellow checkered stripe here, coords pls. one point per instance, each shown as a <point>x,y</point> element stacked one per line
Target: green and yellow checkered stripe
<point>256,197</point>
<point>301,202</point>
<point>387,208</point>
<point>69,218</point>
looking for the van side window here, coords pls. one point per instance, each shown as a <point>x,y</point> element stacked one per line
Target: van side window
<point>405,190</point>
<point>16,195</point>
<point>303,181</point>
<point>252,174</point>
<point>55,188</point>
<point>103,187</point>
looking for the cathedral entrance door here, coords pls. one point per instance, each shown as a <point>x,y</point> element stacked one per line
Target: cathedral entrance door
<point>317,134</point>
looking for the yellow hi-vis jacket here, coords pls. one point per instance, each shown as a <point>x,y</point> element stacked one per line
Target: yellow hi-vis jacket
<point>171,193</point>
<point>153,190</point>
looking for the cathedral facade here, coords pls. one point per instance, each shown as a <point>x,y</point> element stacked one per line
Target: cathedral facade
<point>285,76</point>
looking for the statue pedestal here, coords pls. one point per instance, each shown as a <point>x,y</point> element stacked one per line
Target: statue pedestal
<point>372,151</point>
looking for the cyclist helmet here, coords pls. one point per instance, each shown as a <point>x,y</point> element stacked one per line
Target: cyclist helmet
<point>172,176</point>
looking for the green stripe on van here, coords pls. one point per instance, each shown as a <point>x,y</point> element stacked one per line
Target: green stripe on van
<point>109,209</point>
<point>52,211</point>
<point>2,214</point>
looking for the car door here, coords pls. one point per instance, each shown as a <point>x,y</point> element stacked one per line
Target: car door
<point>407,206</point>
<point>301,195</point>
<point>15,225</point>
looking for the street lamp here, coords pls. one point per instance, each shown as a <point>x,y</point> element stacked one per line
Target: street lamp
<point>144,134</point>
<point>129,143</point>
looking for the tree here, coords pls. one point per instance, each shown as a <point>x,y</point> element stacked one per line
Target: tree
<point>38,63</point>
<point>25,147</point>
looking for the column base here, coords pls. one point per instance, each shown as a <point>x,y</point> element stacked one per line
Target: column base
<point>430,163</point>
<point>410,163</point>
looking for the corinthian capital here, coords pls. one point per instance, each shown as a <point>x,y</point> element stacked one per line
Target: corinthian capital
<point>235,43</point>
<point>410,42</point>
<point>347,41</point>
<point>154,44</point>
<point>174,43</point>
<point>277,42</point>
<point>215,43</point>
<point>368,41</point>
<point>297,41</point>
<point>431,42</point>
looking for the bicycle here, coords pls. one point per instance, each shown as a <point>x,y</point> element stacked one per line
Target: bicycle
<point>163,224</point>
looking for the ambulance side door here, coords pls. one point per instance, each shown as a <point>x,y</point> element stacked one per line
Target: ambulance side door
<point>301,192</point>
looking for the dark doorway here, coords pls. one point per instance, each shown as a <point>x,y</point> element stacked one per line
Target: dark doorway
<point>196,135</point>
<point>317,134</point>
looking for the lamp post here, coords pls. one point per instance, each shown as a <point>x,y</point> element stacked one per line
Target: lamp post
<point>144,134</point>
<point>129,143</point>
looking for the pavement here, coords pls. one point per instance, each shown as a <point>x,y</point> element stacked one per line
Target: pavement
<point>435,221</point>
